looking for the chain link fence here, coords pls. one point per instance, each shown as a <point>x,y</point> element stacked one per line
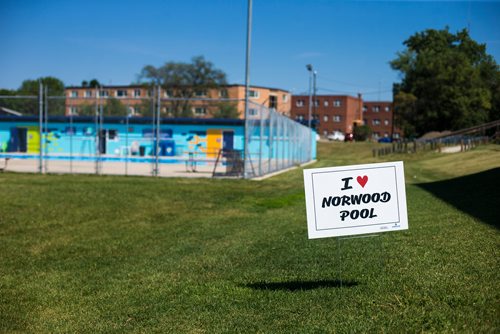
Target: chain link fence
<point>147,134</point>
<point>275,142</point>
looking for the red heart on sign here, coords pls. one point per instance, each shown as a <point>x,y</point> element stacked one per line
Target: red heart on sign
<point>362,180</point>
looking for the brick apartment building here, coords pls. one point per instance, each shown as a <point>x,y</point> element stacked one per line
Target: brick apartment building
<point>379,117</point>
<point>343,112</point>
<point>331,112</point>
<point>133,96</point>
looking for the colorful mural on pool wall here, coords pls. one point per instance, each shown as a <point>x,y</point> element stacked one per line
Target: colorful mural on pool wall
<point>115,138</point>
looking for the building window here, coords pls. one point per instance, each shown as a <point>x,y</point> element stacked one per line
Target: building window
<point>131,111</point>
<point>325,103</point>
<point>200,111</point>
<point>223,93</point>
<point>365,108</point>
<point>254,94</point>
<point>325,118</point>
<point>376,108</point>
<point>121,93</point>
<point>325,133</point>
<point>386,122</point>
<point>137,92</point>
<point>88,93</point>
<point>73,111</point>
<point>252,112</point>
<point>103,93</point>
<point>200,93</point>
<point>387,109</point>
<point>396,135</point>
<point>336,118</point>
<point>300,103</point>
<point>74,93</point>
<point>285,98</point>
<point>376,134</point>
<point>386,134</point>
<point>337,103</point>
<point>316,103</point>
<point>376,122</point>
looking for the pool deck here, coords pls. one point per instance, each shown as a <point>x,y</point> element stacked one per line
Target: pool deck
<point>60,166</point>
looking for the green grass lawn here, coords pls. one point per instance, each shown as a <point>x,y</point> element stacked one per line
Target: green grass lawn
<point>129,254</point>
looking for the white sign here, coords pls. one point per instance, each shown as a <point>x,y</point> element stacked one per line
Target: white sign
<point>356,199</point>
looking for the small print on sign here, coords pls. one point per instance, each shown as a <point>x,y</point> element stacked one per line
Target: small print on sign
<point>357,199</point>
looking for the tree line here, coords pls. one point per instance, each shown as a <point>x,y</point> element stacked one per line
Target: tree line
<point>182,81</point>
<point>448,82</point>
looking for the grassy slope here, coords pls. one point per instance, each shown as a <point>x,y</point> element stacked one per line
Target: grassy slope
<point>114,254</point>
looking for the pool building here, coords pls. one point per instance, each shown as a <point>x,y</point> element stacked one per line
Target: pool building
<point>137,139</point>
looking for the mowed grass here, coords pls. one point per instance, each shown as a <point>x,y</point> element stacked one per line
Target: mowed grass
<point>125,254</point>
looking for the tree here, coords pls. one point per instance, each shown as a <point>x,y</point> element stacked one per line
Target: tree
<point>405,116</point>
<point>114,107</point>
<point>13,103</point>
<point>94,83</point>
<point>362,132</point>
<point>225,110</point>
<point>145,108</point>
<point>184,81</point>
<point>32,87</point>
<point>448,82</point>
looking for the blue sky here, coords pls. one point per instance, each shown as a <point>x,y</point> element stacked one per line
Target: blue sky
<point>349,43</point>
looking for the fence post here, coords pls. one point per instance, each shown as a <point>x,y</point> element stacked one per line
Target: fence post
<point>157,142</point>
<point>46,129</point>
<point>261,135</point>
<point>40,128</point>
<point>270,141</point>
<point>97,148</point>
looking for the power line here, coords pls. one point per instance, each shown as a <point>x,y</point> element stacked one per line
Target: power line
<point>354,93</point>
<point>377,92</point>
<point>336,91</point>
<point>343,82</point>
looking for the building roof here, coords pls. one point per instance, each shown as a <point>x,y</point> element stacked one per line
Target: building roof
<point>122,120</point>
<point>146,85</point>
<point>325,95</point>
<point>8,111</point>
<point>375,102</point>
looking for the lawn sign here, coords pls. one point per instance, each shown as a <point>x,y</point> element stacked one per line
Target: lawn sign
<point>356,199</point>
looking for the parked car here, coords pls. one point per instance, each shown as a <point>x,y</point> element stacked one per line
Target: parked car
<point>385,140</point>
<point>349,137</point>
<point>336,136</point>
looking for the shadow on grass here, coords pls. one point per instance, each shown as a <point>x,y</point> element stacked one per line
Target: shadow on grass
<point>300,285</point>
<point>477,194</point>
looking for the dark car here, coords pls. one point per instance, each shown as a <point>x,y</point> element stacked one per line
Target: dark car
<point>349,137</point>
<point>385,140</point>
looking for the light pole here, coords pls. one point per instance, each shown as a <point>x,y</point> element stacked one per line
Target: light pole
<point>314,96</point>
<point>311,73</point>
<point>246,155</point>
